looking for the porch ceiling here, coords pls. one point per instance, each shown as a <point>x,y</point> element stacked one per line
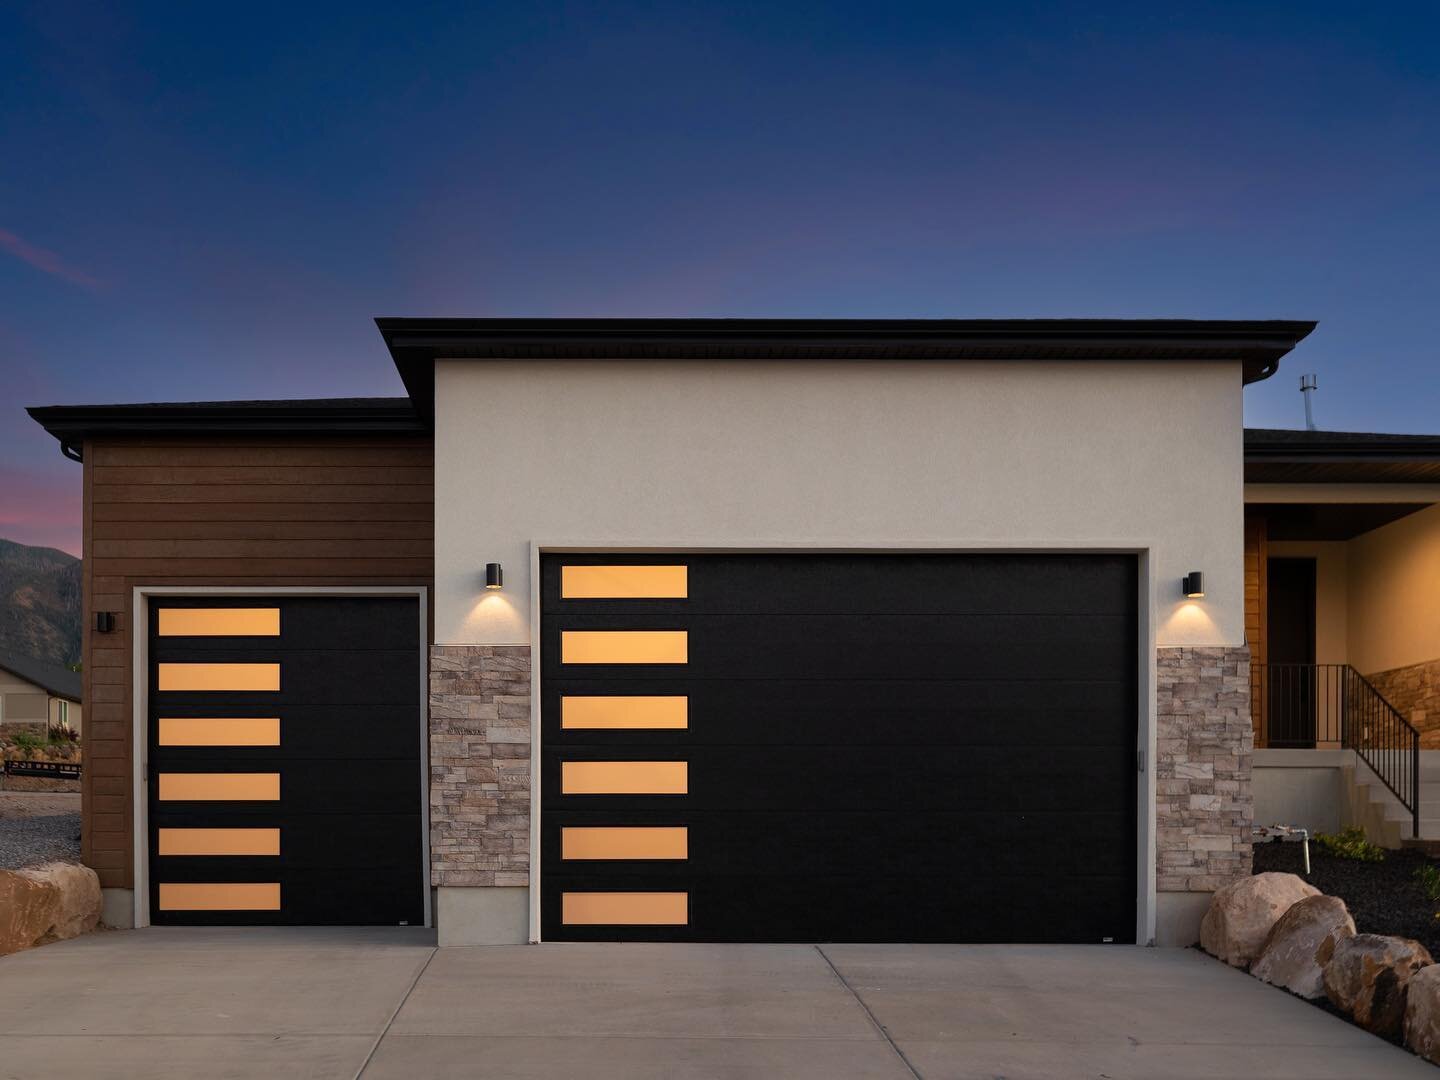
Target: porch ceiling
<point>1328,521</point>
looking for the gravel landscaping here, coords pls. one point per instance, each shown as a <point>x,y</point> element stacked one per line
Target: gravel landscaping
<point>38,828</point>
<point>1383,897</point>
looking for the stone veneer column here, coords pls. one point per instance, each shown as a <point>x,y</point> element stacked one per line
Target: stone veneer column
<point>479,765</point>
<point>1204,806</point>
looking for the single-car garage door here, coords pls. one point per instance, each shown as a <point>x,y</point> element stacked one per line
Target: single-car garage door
<point>839,747</point>
<point>284,761</point>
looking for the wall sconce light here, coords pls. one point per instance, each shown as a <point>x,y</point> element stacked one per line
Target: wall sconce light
<point>1193,585</point>
<point>104,622</point>
<point>494,576</point>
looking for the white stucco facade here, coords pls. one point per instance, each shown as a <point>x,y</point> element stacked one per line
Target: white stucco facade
<point>754,454</point>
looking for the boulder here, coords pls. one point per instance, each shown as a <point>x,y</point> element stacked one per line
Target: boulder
<point>1242,914</point>
<point>1369,976</point>
<point>1302,943</point>
<point>1422,1013</point>
<point>28,909</point>
<point>47,903</point>
<point>80,897</point>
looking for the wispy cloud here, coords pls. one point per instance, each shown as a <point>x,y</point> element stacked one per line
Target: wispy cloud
<point>46,261</point>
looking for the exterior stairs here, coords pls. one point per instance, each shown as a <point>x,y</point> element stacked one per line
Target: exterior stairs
<point>1370,804</point>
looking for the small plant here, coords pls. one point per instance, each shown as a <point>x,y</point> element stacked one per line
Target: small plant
<point>1350,844</point>
<point>28,742</point>
<point>1428,876</point>
<point>63,736</point>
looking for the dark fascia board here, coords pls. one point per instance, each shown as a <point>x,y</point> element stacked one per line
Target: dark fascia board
<point>73,424</point>
<point>415,344</point>
<point>1278,445</point>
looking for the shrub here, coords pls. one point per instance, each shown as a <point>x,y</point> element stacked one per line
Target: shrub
<point>28,742</point>
<point>1350,844</point>
<point>1428,876</point>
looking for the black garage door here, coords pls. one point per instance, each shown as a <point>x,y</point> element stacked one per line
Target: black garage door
<point>284,761</point>
<point>839,748</point>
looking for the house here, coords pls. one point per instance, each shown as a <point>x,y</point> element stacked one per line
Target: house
<point>1342,559</point>
<point>37,696</point>
<point>770,630</point>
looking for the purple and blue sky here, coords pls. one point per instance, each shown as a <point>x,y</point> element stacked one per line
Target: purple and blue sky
<point>200,202</point>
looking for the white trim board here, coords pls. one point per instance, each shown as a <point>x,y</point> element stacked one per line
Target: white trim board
<point>140,711</point>
<point>1147,717</point>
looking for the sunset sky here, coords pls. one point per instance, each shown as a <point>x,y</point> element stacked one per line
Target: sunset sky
<point>205,203</point>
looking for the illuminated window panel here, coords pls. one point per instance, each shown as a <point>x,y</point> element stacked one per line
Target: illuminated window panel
<point>219,622</point>
<point>219,676</point>
<point>624,582</point>
<point>649,712</point>
<point>219,731</point>
<point>220,896</point>
<point>624,647</point>
<point>219,842</point>
<point>216,787</point>
<point>625,908</point>
<point>624,777</point>
<point>623,842</point>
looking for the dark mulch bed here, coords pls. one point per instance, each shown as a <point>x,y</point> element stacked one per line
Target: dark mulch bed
<point>1383,897</point>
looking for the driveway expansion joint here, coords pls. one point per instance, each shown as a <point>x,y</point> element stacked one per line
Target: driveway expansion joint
<point>873,1019</point>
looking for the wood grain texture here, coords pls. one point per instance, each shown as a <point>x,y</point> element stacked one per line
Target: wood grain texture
<point>1257,554</point>
<point>210,511</point>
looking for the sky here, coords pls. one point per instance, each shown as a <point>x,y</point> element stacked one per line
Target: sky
<point>203,202</point>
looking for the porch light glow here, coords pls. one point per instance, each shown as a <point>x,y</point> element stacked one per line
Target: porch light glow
<point>494,576</point>
<point>1193,585</point>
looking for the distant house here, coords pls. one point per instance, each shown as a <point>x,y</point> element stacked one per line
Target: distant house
<point>36,695</point>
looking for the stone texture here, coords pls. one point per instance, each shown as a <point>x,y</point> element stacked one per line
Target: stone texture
<point>1302,943</point>
<point>1415,692</point>
<point>1369,976</point>
<point>28,909</point>
<point>1204,745</point>
<point>1243,913</point>
<point>1422,1013</point>
<point>79,898</point>
<point>480,765</point>
<point>47,903</point>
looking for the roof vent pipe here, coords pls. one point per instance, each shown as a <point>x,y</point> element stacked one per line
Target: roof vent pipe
<point>1307,388</point>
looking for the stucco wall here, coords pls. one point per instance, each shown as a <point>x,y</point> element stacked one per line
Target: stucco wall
<point>1394,594</point>
<point>744,454</point>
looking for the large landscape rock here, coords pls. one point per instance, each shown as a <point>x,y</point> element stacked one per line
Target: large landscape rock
<point>80,897</point>
<point>1242,914</point>
<point>28,909</point>
<point>1302,943</point>
<point>1422,1013</point>
<point>1369,976</point>
<point>47,903</point>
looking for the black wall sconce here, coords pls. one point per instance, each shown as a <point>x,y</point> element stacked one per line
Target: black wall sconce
<point>104,622</point>
<point>1193,585</point>
<point>494,576</point>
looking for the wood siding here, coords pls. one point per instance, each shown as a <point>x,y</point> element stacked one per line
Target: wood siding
<point>264,511</point>
<point>1257,553</point>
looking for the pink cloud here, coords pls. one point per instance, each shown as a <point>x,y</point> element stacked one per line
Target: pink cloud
<point>46,261</point>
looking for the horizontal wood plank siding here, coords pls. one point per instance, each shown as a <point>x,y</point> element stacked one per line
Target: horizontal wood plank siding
<point>273,511</point>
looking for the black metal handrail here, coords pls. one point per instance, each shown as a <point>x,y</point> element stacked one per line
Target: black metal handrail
<point>1305,705</point>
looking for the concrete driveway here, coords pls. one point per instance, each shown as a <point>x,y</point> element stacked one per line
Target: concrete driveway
<point>385,1004</point>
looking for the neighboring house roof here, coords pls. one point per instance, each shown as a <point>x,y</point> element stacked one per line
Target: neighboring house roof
<point>59,681</point>
<point>416,343</point>
<point>1279,456</point>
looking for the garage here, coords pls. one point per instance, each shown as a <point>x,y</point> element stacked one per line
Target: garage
<point>285,761</point>
<point>839,747</point>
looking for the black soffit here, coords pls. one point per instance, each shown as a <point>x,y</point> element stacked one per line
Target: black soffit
<point>1327,521</point>
<point>1274,456</point>
<point>416,343</point>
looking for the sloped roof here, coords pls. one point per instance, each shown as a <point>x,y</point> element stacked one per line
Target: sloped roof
<point>58,680</point>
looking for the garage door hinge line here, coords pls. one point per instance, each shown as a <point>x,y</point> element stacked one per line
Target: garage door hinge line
<point>878,1026</point>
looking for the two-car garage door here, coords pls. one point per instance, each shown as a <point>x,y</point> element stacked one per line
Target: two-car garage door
<point>839,747</point>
